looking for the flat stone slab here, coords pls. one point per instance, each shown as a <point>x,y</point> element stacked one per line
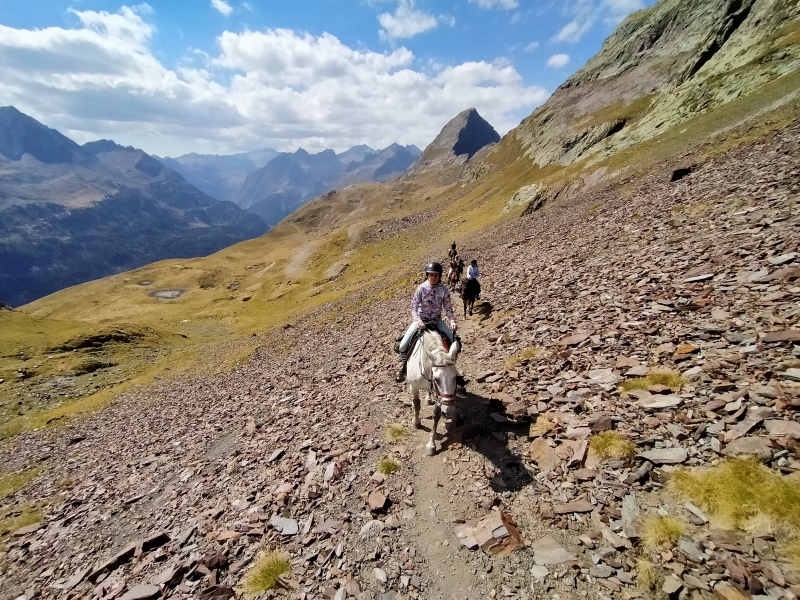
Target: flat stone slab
<point>142,592</point>
<point>546,551</point>
<point>665,456</point>
<point>575,339</point>
<point>788,335</point>
<point>753,446</point>
<point>780,428</point>
<point>579,506</point>
<point>496,534</point>
<point>285,526</point>
<point>661,402</point>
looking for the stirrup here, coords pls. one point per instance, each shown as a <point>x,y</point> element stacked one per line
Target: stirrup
<point>400,376</point>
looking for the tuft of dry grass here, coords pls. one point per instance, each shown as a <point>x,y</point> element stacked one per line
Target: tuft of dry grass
<point>647,576</point>
<point>612,445</point>
<point>666,378</point>
<point>659,532</point>
<point>265,572</point>
<point>388,465</point>
<point>395,432</point>
<point>737,491</point>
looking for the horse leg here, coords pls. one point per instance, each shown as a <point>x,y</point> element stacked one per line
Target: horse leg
<point>430,447</point>
<point>415,399</point>
<point>430,399</point>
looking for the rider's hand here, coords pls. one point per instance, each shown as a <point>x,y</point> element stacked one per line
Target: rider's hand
<point>420,324</point>
<point>453,326</point>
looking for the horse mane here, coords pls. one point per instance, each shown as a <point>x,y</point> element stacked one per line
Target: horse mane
<point>432,342</point>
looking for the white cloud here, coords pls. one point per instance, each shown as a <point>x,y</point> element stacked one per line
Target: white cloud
<point>558,60</point>
<point>531,47</point>
<point>406,22</point>
<point>222,6</point>
<point>276,88</point>
<point>586,13</point>
<point>505,4</point>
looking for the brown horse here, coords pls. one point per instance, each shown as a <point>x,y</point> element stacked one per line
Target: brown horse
<point>454,275</point>
<point>469,292</point>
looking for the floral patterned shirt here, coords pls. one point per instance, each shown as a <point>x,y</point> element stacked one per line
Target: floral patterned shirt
<point>429,301</point>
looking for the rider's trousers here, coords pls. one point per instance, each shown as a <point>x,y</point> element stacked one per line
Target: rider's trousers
<point>440,325</point>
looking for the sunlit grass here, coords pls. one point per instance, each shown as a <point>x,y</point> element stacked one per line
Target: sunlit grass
<point>396,433</point>
<point>266,571</point>
<point>388,465</point>
<point>659,532</point>
<point>647,576</point>
<point>612,445</point>
<point>674,381</point>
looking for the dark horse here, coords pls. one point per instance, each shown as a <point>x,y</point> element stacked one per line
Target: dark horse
<point>469,292</point>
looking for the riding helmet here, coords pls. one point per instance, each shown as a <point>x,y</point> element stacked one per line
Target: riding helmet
<point>434,267</point>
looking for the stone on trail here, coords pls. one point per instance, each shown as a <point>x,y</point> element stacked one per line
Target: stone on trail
<point>76,578</point>
<point>672,585</point>
<point>142,592</point>
<point>725,591</point>
<point>778,428</point>
<point>285,526</point>
<point>496,534</point>
<point>376,501</point>
<point>32,528</point>
<point>660,402</point>
<point>665,456</point>
<point>576,338</point>
<point>543,455</point>
<point>546,551</point>
<point>276,454</point>
<point>579,506</point>
<point>752,446</point>
<point>539,573</point>
<point>380,575</point>
<point>788,335</point>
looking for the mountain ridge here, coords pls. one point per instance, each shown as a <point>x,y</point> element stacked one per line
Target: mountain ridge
<point>97,209</point>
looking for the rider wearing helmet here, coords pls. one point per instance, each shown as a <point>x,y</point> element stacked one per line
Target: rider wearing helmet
<point>473,273</point>
<point>431,297</point>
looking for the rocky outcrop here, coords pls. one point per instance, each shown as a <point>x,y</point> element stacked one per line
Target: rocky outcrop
<point>661,67</point>
<point>70,213</point>
<point>462,136</point>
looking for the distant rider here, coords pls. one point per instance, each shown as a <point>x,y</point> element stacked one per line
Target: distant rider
<point>452,253</point>
<point>431,297</point>
<point>473,273</point>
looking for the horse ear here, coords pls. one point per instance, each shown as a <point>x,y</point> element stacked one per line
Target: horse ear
<point>454,350</point>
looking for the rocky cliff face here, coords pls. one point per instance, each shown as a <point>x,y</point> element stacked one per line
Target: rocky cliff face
<point>463,136</point>
<point>71,213</point>
<point>662,66</point>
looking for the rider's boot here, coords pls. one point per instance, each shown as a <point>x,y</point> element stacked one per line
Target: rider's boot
<point>401,374</point>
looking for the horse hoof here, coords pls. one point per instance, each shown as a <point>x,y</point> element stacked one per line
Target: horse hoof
<point>416,425</point>
<point>430,451</point>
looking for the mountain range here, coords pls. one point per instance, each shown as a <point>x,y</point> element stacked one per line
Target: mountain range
<point>71,213</point>
<point>274,191</point>
<point>291,179</point>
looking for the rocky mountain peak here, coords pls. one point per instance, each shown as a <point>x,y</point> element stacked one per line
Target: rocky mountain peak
<point>21,134</point>
<point>457,142</point>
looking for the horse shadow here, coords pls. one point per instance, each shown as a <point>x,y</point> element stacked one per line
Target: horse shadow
<point>483,423</point>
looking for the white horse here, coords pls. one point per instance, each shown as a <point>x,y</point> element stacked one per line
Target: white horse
<point>431,368</point>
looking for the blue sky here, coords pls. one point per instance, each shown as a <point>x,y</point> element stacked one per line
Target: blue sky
<point>224,76</point>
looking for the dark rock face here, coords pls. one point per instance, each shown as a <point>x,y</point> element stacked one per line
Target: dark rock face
<point>457,142</point>
<point>96,210</point>
<point>20,134</point>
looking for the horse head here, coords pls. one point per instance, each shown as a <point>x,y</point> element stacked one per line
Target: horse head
<point>444,375</point>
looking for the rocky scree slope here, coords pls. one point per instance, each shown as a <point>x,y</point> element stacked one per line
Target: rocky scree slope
<point>70,214</point>
<point>698,276</point>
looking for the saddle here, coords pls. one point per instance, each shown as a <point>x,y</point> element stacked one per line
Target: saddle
<point>418,336</point>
